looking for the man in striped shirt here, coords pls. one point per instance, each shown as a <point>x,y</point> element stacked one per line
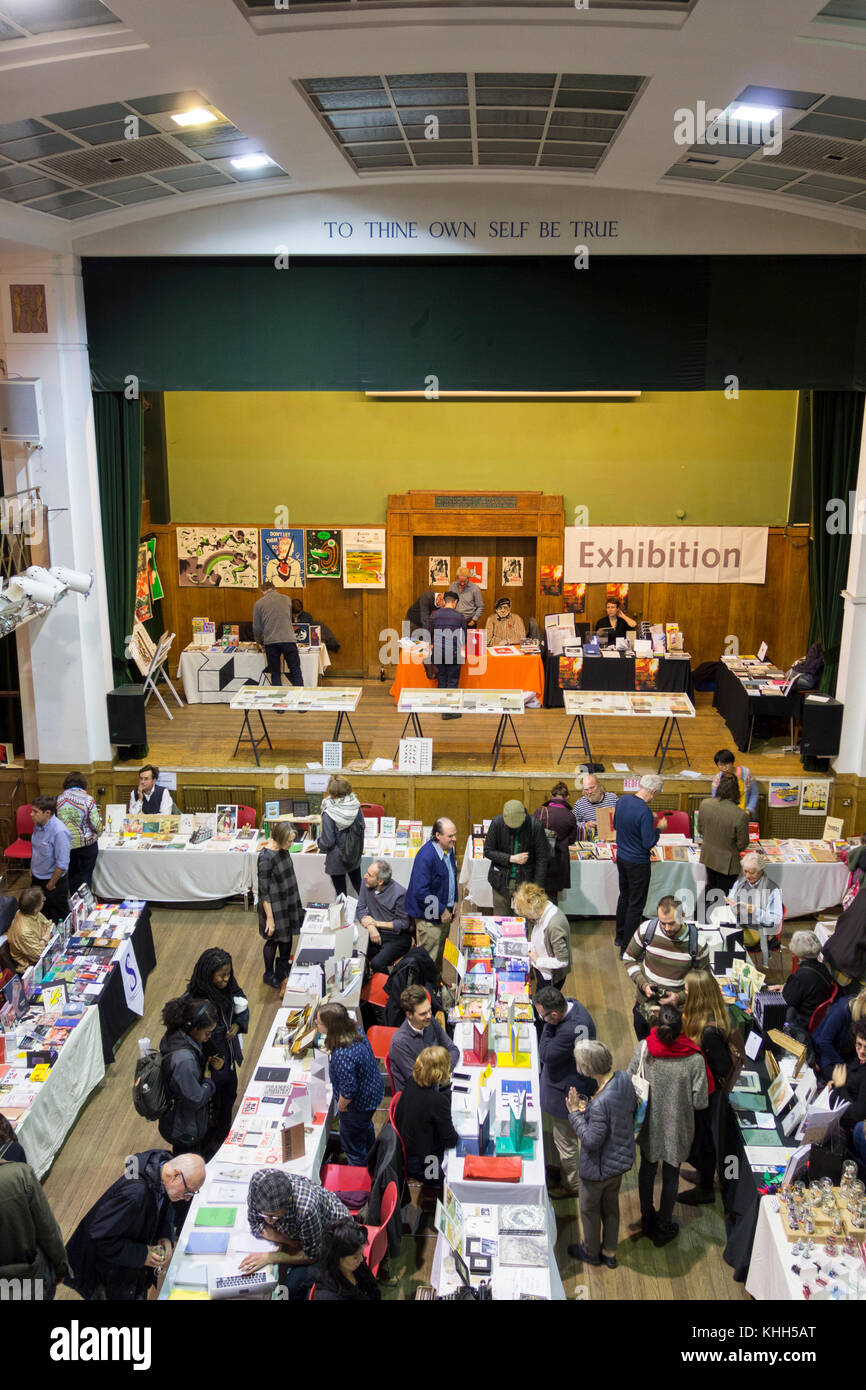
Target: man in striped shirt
<point>658,958</point>
<point>594,795</point>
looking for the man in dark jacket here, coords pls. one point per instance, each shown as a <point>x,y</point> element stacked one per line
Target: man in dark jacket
<point>382,911</point>
<point>418,1031</point>
<point>565,1022</point>
<point>125,1239</point>
<point>517,848</point>
<point>422,610</point>
<point>31,1245</point>
<point>431,896</point>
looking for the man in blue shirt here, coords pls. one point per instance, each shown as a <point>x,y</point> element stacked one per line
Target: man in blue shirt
<point>635,837</point>
<point>431,896</point>
<point>49,862</point>
<point>448,634</point>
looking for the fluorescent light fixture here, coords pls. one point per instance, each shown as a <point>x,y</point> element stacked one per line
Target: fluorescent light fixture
<point>251,161</point>
<point>197,116</point>
<point>762,115</point>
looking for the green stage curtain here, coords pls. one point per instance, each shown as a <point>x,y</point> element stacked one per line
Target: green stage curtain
<point>837,422</point>
<point>119,461</point>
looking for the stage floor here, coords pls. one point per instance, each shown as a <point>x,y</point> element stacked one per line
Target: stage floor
<point>203,737</point>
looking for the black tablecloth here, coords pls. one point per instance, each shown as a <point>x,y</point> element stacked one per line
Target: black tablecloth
<point>114,1014</point>
<point>607,673</point>
<point>737,707</point>
<point>741,1196</point>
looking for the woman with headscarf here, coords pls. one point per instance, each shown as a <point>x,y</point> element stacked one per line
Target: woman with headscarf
<point>213,979</point>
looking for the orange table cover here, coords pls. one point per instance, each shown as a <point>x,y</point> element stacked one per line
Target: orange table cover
<point>503,673</point>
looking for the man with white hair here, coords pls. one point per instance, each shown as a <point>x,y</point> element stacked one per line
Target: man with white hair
<point>635,837</point>
<point>756,901</point>
<point>125,1239</point>
<point>382,911</point>
<point>594,795</point>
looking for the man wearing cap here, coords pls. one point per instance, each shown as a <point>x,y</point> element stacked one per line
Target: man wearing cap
<point>505,627</point>
<point>517,848</point>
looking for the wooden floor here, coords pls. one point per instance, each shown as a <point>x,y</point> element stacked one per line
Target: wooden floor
<point>204,736</point>
<point>108,1128</point>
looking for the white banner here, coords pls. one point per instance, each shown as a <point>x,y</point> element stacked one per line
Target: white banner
<point>665,554</point>
<point>133,986</point>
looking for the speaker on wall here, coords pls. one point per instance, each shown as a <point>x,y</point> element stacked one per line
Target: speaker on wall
<point>822,727</point>
<point>126,719</point>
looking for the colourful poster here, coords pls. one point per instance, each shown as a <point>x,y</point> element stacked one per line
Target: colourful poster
<point>155,582</point>
<point>282,558</point>
<point>551,580</point>
<point>570,668</point>
<point>324,554</point>
<point>784,793</point>
<point>438,570</point>
<point>814,798</point>
<point>646,671</point>
<point>618,592</point>
<point>143,606</point>
<point>364,557</point>
<point>214,557</point>
<point>574,598</point>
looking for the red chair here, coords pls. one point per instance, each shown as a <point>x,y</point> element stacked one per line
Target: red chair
<point>678,822</point>
<point>246,816</point>
<point>819,1013</point>
<point>374,990</point>
<point>392,1113</point>
<point>377,1236</point>
<point>379,1037</point>
<point>21,847</point>
<point>372,810</point>
<point>343,1178</point>
<point>390,1077</point>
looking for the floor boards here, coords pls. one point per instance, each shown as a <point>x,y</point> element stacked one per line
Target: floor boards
<point>204,736</point>
<point>108,1128</point>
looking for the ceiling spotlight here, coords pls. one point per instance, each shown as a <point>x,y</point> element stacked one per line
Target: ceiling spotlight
<point>760,115</point>
<point>75,580</point>
<point>23,586</point>
<point>251,161</point>
<point>197,116</point>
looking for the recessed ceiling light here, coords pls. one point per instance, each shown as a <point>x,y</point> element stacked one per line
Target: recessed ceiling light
<point>762,114</point>
<point>197,116</point>
<point>251,161</point>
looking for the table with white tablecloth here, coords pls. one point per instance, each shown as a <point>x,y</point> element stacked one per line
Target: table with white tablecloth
<point>79,1068</point>
<point>532,1188</point>
<point>806,889</point>
<point>213,677</point>
<point>315,886</point>
<point>770,1277</point>
<point>173,875</point>
<point>555,1290</point>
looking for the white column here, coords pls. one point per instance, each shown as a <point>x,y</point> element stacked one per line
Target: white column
<point>65,657</point>
<point>851,682</point>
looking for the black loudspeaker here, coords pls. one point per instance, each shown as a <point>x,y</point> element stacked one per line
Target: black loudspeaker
<point>822,728</point>
<point>126,721</point>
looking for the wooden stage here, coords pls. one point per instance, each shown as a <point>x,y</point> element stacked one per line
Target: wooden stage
<point>198,744</point>
<point>203,737</point>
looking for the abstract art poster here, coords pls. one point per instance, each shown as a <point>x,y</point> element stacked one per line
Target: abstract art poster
<point>214,557</point>
<point>156,590</point>
<point>324,554</point>
<point>551,580</point>
<point>363,557</point>
<point>574,598</point>
<point>282,558</point>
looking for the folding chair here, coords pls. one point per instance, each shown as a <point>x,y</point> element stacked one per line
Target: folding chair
<point>156,671</point>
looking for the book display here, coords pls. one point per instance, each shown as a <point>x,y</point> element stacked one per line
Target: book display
<point>293,699</point>
<point>507,704</point>
<point>646,704</point>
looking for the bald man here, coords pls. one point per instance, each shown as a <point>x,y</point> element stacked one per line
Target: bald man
<point>119,1247</point>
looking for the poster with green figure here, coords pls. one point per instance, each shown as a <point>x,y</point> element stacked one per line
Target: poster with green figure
<point>324,554</point>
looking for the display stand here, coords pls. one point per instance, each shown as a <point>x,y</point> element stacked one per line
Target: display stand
<point>504,703</point>
<point>151,659</point>
<point>671,708</point>
<point>294,699</point>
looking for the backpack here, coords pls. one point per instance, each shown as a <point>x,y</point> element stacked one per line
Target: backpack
<point>694,946</point>
<point>350,843</point>
<point>150,1095</point>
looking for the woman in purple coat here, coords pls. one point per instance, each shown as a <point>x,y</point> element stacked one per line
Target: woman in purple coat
<point>556,815</point>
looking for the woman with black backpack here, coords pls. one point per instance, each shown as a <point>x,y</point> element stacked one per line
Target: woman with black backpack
<point>342,835</point>
<point>186,1125</point>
